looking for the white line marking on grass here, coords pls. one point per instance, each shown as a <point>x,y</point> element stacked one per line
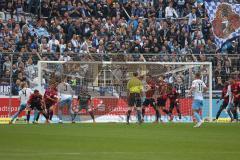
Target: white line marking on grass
<point>101,153</point>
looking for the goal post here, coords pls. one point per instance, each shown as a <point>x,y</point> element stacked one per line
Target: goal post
<point>106,82</point>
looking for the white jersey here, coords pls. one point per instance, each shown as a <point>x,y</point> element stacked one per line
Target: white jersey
<point>64,91</point>
<point>198,89</point>
<point>24,95</point>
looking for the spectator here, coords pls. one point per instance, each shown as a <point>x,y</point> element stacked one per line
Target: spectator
<point>7,64</point>
<point>170,12</point>
<point>53,44</point>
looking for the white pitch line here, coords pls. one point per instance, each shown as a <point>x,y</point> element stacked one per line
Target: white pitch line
<point>96,153</point>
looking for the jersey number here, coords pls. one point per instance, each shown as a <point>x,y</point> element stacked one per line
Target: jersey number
<point>24,93</point>
<point>200,87</point>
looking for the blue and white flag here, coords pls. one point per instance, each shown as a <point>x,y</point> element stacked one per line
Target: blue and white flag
<point>38,31</point>
<point>225,20</point>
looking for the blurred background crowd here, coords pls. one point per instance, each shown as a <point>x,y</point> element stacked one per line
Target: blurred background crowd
<point>109,30</point>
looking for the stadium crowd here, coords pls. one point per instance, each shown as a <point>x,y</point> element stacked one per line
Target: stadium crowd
<point>124,30</point>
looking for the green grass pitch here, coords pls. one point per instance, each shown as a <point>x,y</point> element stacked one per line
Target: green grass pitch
<point>120,142</point>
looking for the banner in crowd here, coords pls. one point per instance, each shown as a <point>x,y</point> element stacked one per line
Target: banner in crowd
<point>39,32</point>
<point>225,20</point>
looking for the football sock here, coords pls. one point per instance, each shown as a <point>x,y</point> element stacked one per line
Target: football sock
<point>36,115</point>
<point>179,113</point>
<point>28,115</point>
<point>60,114</point>
<point>128,115</point>
<point>157,115</point>
<point>197,116</point>
<point>15,115</point>
<point>45,115</point>
<point>73,115</point>
<point>219,112</point>
<point>235,114</point>
<point>230,113</point>
<point>91,114</point>
<point>50,114</point>
<point>143,112</point>
<point>139,115</point>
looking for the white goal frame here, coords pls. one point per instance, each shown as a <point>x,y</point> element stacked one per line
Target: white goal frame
<point>210,76</point>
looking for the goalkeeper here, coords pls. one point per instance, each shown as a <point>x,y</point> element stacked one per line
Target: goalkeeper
<point>135,88</point>
<point>85,101</point>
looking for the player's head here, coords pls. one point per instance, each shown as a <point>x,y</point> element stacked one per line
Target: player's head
<point>232,80</point>
<point>198,75</point>
<point>149,77</point>
<point>23,85</point>
<point>64,80</point>
<point>170,86</point>
<point>53,85</point>
<point>36,92</point>
<point>226,84</point>
<point>161,78</point>
<point>135,74</point>
<point>141,77</point>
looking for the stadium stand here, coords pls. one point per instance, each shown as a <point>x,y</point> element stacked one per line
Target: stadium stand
<point>109,30</point>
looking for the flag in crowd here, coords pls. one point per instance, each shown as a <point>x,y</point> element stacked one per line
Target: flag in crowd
<point>225,20</point>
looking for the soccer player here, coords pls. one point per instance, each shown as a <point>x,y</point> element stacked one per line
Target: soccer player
<point>50,99</point>
<point>235,90</point>
<point>135,88</point>
<point>174,101</point>
<point>197,89</point>
<point>149,100</point>
<point>162,97</point>
<point>225,97</point>
<point>36,102</point>
<point>85,102</point>
<point>24,95</point>
<point>65,94</point>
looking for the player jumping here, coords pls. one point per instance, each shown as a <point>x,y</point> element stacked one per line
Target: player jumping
<point>151,87</point>
<point>197,88</point>
<point>65,94</point>
<point>225,97</point>
<point>174,101</point>
<point>24,95</point>
<point>162,98</point>
<point>85,102</point>
<point>51,98</point>
<point>36,102</point>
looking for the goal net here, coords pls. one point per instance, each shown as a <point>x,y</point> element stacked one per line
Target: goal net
<point>106,82</point>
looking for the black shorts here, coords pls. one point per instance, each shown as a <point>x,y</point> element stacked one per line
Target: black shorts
<point>173,104</point>
<point>134,99</point>
<point>224,105</point>
<point>37,107</point>
<point>149,101</point>
<point>161,102</point>
<point>83,106</point>
<point>48,106</point>
<point>236,104</point>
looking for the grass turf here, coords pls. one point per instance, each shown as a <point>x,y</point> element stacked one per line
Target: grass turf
<point>120,142</point>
